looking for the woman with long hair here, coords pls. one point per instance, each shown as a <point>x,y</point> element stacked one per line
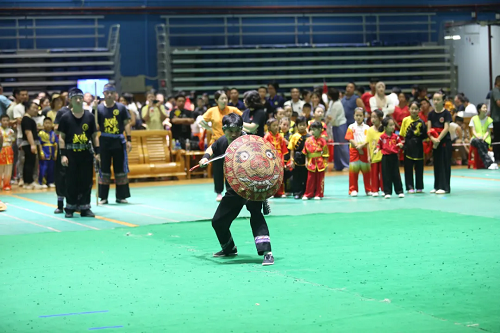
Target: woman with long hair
<point>380,101</point>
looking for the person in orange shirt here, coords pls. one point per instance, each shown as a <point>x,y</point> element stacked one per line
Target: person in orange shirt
<point>358,154</point>
<point>316,151</point>
<point>274,137</point>
<point>212,123</point>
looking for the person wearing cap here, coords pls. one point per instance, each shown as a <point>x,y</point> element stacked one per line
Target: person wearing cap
<point>56,103</point>
<point>114,120</point>
<point>76,129</point>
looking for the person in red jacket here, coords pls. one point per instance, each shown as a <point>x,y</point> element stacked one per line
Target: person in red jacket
<point>276,139</point>
<point>316,151</point>
<point>390,144</point>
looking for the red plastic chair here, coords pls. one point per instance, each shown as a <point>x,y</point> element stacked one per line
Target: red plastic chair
<point>474,159</point>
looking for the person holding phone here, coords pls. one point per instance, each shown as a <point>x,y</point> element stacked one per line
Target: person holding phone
<point>153,113</point>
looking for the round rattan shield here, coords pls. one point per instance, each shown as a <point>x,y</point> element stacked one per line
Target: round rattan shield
<point>253,168</point>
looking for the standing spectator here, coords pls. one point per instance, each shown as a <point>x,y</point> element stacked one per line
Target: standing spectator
<point>335,116</point>
<point>18,112</point>
<point>254,118</point>
<point>394,95</point>
<point>470,109</point>
<point>350,101</point>
<point>4,102</point>
<point>45,106</point>
<point>56,104</point>
<point>30,144</point>
<point>200,107</point>
<point>212,122</point>
<point>369,94</point>
<point>306,96</point>
<point>315,102</point>
<point>235,100</point>
<point>181,120</point>
<point>295,102</point>
<point>380,101</point>
<point>153,113</point>
<point>495,115</point>
<point>401,111</point>
<point>425,109</point>
<point>127,99</point>
<point>274,99</point>
<point>87,101</point>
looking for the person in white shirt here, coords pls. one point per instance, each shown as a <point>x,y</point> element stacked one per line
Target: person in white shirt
<point>470,109</point>
<point>295,102</point>
<point>382,102</point>
<point>394,96</point>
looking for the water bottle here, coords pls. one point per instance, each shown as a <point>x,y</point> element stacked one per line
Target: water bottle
<point>188,145</point>
<point>177,145</point>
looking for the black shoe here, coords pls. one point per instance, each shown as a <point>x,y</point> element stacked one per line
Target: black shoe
<point>59,211</point>
<point>296,197</point>
<point>268,260</point>
<point>232,253</point>
<point>68,215</point>
<point>87,213</point>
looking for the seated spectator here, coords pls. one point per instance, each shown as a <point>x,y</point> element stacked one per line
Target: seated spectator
<point>153,113</point>
<point>460,153</point>
<point>470,109</point>
<point>459,102</point>
<point>481,126</point>
<point>181,120</point>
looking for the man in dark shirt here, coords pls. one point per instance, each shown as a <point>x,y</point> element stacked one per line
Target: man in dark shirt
<point>114,120</point>
<point>59,170</point>
<point>181,120</point>
<point>255,116</point>
<point>275,100</point>
<point>76,129</point>
<point>235,101</point>
<point>232,203</point>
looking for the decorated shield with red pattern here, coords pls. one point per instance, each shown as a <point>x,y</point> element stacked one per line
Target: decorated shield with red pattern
<point>253,168</point>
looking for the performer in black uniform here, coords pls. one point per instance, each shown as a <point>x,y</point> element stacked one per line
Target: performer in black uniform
<point>76,129</point>
<point>114,119</point>
<point>232,203</point>
<point>59,170</point>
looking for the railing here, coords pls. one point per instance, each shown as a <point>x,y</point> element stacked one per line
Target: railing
<point>231,30</point>
<point>29,32</point>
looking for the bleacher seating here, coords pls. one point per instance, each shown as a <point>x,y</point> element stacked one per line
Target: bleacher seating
<point>56,69</point>
<point>246,68</point>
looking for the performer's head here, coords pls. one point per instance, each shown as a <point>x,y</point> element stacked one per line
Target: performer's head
<point>252,100</point>
<point>76,100</point>
<point>109,92</point>
<point>232,125</point>
<point>316,128</point>
<point>47,124</point>
<point>301,124</point>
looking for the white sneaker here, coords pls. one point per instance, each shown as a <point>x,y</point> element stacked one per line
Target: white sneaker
<point>21,183</point>
<point>219,198</point>
<point>44,186</point>
<point>317,198</point>
<point>375,194</point>
<point>354,194</point>
<point>493,166</point>
<point>305,198</point>
<point>401,195</point>
<point>387,196</point>
<point>369,193</point>
<point>36,186</point>
<point>283,196</point>
<point>433,191</point>
<point>52,185</point>
<point>440,192</point>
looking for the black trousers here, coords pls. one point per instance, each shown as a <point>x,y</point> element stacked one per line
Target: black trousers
<point>29,165</point>
<point>390,174</point>
<point>218,173</point>
<point>299,181</point>
<point>442,165</point>
<point>117,157</point>
<point>482,149</point>
<point>496,138</point>
<point>79,173</point>
<point>228,210</point>
<point>60,178</point>
<point>410,165</point>
<point>287,180</point>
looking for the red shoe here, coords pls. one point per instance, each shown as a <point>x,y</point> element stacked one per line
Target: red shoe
<point>7,188</point>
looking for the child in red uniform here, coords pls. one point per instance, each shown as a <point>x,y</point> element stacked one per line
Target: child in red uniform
<point>358,154</point>
<point>6,152</point>
<point>390,144</point>
<point>316,151</point>
<point>319,113</point>
<point>276,139</point>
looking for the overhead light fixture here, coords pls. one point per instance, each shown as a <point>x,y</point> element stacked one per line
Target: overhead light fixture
<point>454,37</point>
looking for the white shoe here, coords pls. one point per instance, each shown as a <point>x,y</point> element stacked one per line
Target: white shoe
<point>28,187</point>
<point>401,195</point>
<point>44,186</point>
<point>283,196</point>
<point>36,186</point>
<point>375,194</point>
<point>305,198</point>
<point>493,166</point>
<point>52,185</point>
<point>433,191</point>
<point>369,193</point>
<point>387,196</point>
<point>21,183</point>
<point>317,198</point>
<point>219,198</point>
<point>440,192</point>
<point>354,194</point>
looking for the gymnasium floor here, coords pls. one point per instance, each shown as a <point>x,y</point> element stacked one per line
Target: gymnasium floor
<point>424,263</point>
